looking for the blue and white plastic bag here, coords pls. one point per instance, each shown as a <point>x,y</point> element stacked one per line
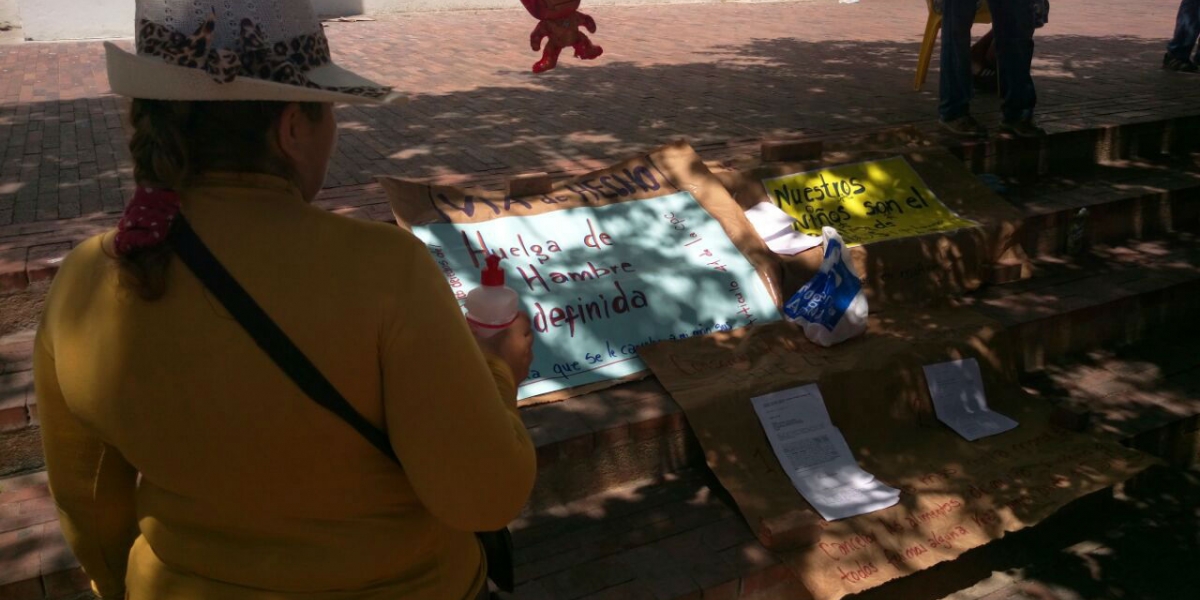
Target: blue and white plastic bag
<point>831,308</point>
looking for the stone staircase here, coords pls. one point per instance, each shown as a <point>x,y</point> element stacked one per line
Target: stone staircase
<point>625,506</point>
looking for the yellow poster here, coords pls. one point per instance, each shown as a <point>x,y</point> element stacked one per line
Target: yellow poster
<point>866,202</point>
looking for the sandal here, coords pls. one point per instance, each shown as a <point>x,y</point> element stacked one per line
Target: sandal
<point>986,80</point>
<point>1172,63</point>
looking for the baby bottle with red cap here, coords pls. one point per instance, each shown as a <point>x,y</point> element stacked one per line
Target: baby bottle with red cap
<point>491,307</point>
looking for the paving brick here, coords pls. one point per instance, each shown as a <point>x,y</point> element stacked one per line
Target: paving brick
<point>591,578</point>
<point>661,576</point>
<point>68,584</point>
<point>54,555</point>
<point>27,589</point>
<point>727,590</point>
<point>532,590</point>
<point>15,388</point>
<point>19,559</point>
<point>20,482</point>
<point>760,570</point>
<point>12,269</point>
<point>27,513</point>
<point>16,355</point>
<point>21,451</point>
<point>43,261</point>
<point>633,590</point>
<point>22,494</point>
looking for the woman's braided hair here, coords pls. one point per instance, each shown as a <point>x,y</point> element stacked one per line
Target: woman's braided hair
<point>174,142</point>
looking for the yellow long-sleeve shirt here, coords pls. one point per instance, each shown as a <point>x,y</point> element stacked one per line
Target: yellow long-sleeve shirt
<point>248,489</point>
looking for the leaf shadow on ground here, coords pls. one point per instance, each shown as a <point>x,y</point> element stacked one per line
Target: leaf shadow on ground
<point>610,110</point>
<point>1131,543</point>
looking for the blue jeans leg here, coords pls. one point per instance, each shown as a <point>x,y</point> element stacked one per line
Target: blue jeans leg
<point>1012,21</point>
<point>1187,30</point>
<point>955,86</point>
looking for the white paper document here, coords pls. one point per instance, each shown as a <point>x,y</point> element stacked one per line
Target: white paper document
<point>816,456</point>
<point>958,400</point>
<point>793,242</point>
<point>775,228</point>
<point>769,220</point>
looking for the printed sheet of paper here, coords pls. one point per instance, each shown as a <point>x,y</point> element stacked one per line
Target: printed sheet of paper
<point>816,456</point>
<point>600,282</point>
<point>866,202</point>
<point>959,400</point>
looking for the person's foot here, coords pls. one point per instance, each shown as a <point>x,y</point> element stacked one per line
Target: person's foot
<point>965,125</point>
<point>1172,63</point>
<point>1023,128</point>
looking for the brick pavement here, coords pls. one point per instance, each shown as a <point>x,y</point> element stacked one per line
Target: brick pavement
<point>477,114</point>
<point>708,73</point>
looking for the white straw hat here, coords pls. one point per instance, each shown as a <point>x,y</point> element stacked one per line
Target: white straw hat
<point>235,50</point>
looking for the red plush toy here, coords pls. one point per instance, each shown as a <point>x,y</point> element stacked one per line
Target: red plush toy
<point>560,21</point>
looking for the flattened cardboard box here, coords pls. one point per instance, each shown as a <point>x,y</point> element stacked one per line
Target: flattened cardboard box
<point>913,270</point>
<point>667,170</point>
<point>956,495</point>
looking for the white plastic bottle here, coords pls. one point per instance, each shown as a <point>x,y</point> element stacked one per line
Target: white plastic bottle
<point>491,307</point>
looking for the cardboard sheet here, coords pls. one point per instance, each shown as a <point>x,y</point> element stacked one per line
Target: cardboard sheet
<point>867,202</point>
<point>599,282</point>
<point>669,170</point>
<point>956,494</point>
<point>909,270</point>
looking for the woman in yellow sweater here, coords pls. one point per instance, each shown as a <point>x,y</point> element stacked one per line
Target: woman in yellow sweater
<point>184,462</point>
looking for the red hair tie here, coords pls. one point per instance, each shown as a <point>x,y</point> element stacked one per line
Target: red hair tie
<point>147,220</point>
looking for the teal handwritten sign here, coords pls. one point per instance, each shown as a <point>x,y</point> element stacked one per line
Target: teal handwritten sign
<point>601,282</point>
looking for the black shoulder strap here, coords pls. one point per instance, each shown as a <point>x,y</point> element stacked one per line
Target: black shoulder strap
<point>200,260</point>
<point>497,545</point>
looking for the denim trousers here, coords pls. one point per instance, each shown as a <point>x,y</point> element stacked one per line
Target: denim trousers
<point>1187,29</point>
<point>1012,21</point>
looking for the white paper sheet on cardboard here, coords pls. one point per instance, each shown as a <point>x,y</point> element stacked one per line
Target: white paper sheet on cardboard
<point>769,220</point>
<point>775,228</point>
<point>959,400</point>
<point>793,242</point>
<point>816,457</point>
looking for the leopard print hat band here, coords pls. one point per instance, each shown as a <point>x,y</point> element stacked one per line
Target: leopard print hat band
<point>285,61</point>
<point>238,45</point>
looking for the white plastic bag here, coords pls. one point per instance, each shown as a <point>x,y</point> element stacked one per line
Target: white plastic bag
<point>831,307</point>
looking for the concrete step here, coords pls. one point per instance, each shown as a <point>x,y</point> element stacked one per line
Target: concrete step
<point>1135,198</point>
<point>20,442</point>
<point>654,522</point>
<point>1111,297</point>
<point>678,535</point>
<point>675,537</point>
<point>1074,145</point>
<point>1145,394</point>
<point>680,538</point>
<point>31,252</point>
<point>35,562</point>
<point>1126,200</point>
